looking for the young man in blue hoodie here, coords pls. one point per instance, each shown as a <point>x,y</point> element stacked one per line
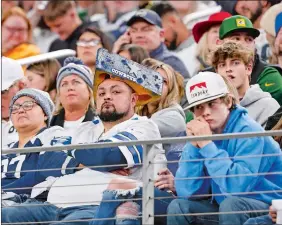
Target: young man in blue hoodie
<point>220,176</point>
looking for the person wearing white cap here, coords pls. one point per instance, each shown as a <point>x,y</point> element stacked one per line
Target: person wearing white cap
<point>229,180</point>
<point>12,82</point>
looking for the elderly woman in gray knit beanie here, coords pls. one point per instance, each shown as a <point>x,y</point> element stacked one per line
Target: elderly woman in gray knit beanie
<point>75,103</point>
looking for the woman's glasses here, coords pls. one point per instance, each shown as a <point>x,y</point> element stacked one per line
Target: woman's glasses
<point>28,105</point>
<point>90,43</point>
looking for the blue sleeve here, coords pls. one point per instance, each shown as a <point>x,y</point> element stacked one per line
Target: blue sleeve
<point>129,155</point>
<point>27,182</point>
<point>188,187</point>
<point>48,160</point>
<point>236,166</point>
<point>60,161</point>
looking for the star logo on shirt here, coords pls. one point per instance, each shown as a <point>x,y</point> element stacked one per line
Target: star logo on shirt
<point>133,69</point>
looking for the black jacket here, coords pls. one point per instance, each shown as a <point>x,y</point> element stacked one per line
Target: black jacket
<point>58,120</point>
<point>273,120</point>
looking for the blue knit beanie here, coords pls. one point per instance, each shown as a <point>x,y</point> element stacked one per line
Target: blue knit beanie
<point>42,98</point>
<point>73,65</point>
<point>278,23</point>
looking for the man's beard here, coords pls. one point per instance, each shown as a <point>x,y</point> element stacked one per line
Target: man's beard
<point>111,116</point>
<point>257,13</point>
<point>173,44</point>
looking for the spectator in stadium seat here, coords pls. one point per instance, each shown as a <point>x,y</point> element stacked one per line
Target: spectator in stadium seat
<point>166,112</point>
<point>12,82</point>
<point>42,76</point>
<point>87,45</point>
<point>240,29</point>
<point>234,62</point>
<point>206,34</point>
<point>116,98</point>
<point>17,35</point>
<point>177,36</point>
<point>133,52</point>
<point>62,18</point>
<point>31,111</point>
<point>217,113</point>
<point>145,29</point>
<point>75,103</point>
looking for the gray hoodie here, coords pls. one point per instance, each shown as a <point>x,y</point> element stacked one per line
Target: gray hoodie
<point>171,121</point>
<point>260,104</point>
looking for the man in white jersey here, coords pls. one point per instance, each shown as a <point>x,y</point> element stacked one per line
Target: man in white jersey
<point>120,85</point>
<point>12,82</point>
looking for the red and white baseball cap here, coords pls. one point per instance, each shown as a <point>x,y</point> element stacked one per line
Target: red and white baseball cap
<point>11,72</point>
<point>204,87</point>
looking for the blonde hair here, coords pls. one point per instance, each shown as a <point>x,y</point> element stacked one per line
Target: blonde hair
<point>17,11</point>
<point>59,106</point>
<point>175,87</point>
<point>47,69</point>
<point>202,50</point>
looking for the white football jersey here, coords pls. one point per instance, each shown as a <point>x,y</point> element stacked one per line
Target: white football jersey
<point>9,134</point>
<point>136,128</point>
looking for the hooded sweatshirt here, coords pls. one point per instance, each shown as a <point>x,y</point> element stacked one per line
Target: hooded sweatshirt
<point>170,121</point>
<point>260,104</point>
<point>233,175</point>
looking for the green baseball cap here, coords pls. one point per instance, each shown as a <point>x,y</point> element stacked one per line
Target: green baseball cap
<point>238,24</point>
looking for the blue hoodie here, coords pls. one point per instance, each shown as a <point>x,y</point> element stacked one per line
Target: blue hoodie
<point>238,122</point>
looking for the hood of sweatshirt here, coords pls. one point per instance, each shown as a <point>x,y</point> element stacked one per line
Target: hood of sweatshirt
<point>254,94</point>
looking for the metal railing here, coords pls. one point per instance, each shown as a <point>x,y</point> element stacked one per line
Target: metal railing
<point>49,55</point>
<point>148,166</point>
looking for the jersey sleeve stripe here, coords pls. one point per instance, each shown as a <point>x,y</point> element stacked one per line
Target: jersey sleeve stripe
<point>132,137</point>
<point>65,164</point>
<point>138,148</point>
<point>134,151</point>
<point>126,152</point>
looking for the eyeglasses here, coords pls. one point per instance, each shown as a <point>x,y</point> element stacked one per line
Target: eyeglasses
<point>91,43</point>
<point>15,29</point>
<point>28,105</point>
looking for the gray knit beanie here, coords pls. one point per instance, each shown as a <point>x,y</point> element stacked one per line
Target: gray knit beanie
<point>73,65</point>
<point>42,98</point>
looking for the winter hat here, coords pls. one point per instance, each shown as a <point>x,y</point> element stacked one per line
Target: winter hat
<point>73,65</point>
<point>42,98</point>
<point>11,72</point>
<point>269,19</point>
<point>204,87</point>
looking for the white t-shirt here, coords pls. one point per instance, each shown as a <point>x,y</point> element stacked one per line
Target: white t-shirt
<point>9,134</point>
<point>136,128</point>
<point>73,124</point>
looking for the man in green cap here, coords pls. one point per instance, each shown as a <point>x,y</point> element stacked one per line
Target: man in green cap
<point>240,29</point>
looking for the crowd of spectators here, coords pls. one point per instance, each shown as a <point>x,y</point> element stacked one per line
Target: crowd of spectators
<point>141,73</point>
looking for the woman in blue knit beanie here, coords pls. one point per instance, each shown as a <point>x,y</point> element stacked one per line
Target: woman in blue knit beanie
<point>75,103</point>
